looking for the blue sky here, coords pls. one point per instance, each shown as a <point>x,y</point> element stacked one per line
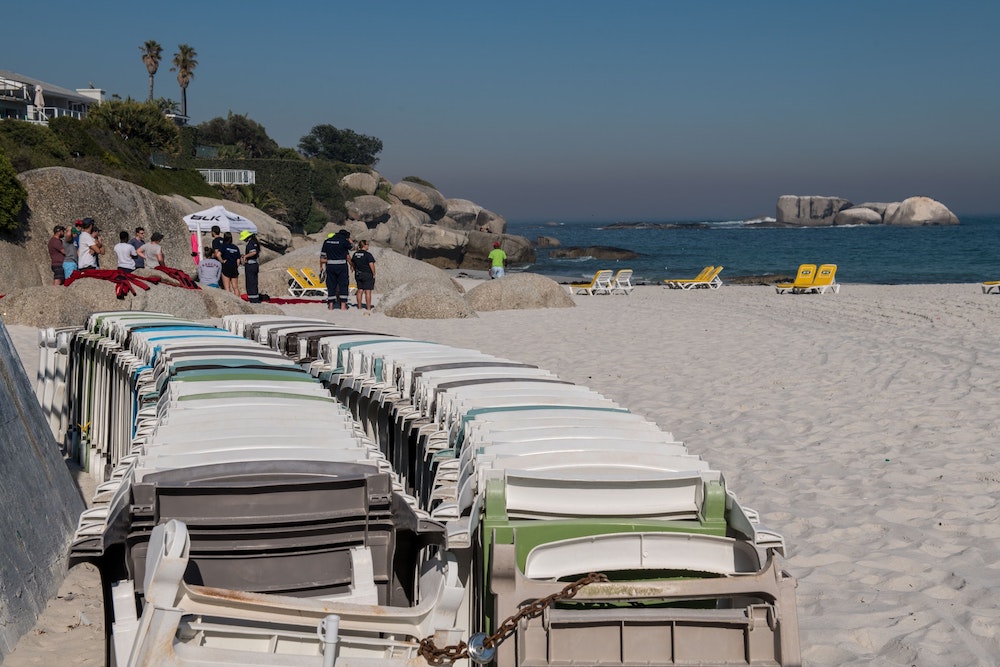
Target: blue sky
<point>579,110</point>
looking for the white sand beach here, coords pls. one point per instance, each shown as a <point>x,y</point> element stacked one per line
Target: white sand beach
<point>863,426</point>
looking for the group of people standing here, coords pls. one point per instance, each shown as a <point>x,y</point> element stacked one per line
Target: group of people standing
<point>80,246</point>
<point>336,260</point>
<point>221,263</point>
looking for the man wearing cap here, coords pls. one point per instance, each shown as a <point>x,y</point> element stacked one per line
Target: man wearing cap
<point>333,260</point>
<point>497,259</point>
<point>250,260</point>
<point>57,254</point>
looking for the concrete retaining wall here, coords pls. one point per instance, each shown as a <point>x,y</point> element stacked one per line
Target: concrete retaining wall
<point>39,503</point>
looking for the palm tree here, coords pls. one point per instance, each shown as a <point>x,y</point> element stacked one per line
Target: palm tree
<point>151,56</point>
<point>184,64</point>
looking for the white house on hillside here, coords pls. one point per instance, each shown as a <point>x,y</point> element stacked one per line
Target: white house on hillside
<point>35,101</point>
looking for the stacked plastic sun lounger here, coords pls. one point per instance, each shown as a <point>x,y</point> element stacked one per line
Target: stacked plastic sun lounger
<point>289,492</point>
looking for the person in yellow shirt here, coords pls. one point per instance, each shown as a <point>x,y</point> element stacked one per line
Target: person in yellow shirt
<point>498,261</point>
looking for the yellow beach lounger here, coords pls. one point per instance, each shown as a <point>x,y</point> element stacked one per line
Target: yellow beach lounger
<point>825,280</point>
<point>318,284</point>
<point>803,279</point>
<point>991,287</point>
<point>300,285</point>
<point>599,284</point>
<point>709,277</point>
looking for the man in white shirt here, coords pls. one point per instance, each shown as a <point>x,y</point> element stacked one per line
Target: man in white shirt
<point>90,246</point>
<point>125,252</point>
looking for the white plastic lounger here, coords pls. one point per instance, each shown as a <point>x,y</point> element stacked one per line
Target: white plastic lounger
<point>274,629</point>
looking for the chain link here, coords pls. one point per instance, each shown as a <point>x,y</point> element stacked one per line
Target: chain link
<point>449,654</point>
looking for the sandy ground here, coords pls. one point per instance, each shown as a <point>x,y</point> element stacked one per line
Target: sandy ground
<point>863,426</point>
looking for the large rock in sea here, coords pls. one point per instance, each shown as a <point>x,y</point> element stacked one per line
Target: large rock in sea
<point>518,291</point>
<point>809,211</point>
<point>597,252</point>
<point>424,299</point>
<point>857,215</point>
<point>917,211</point>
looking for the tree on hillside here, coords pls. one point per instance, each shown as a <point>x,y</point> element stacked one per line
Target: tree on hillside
<point>326,141</point>
<point>138,123</point>
<point>185,60</point>
<point>12,195</point>
<point>152,54</point>
<point>245,134</point>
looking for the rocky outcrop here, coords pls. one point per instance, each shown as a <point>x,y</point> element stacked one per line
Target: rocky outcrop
<point>368,209</point>
<point>597,252</point>
<point>419,222</point>
<point>799,211</point>
<point>518,291</point>
<point>421,197</point>
<point>547,242</point>
<point>857,215</point>
<point>361,181</point>
<point>810,211</point>
<point>424,299</point>
<point>271,233</point>
<point>54,306</point>
<point>469,216</point>
<point>59,196</point>
<point>917,211</point>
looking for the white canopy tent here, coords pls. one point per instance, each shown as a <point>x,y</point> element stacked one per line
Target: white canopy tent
<point>217,215</point>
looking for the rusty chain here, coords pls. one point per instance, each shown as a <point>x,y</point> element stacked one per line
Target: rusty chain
<point>449,654</point>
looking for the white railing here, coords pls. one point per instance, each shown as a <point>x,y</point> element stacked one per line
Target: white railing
<point>42,115</point>
<point>229,176</point>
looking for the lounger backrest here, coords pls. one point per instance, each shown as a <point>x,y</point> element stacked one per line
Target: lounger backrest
<point>825,274</point>
<point>603,277</point>
<point>806,275</point>
<point>312,278</point>
<point>297,276</point>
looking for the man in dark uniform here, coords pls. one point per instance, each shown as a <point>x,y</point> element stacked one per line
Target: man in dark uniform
<point>250,259</point>
<point>333,260</point>
<point>217,241</point>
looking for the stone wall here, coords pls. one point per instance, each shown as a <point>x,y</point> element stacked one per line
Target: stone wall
<point>39,503</point>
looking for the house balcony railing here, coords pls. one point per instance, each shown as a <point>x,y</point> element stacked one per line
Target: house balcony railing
<point>41,116</point>
<point>229,176</point>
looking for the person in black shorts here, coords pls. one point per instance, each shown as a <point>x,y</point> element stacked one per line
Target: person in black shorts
<point>333,258</point>
<point>230,264</point>
<point>363,264</point>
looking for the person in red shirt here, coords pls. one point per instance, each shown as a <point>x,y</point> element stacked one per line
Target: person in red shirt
<point>57,254</point>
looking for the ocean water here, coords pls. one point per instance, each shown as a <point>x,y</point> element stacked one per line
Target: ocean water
<point>878,254</point>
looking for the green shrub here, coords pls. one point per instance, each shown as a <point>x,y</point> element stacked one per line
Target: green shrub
<point>316,220</point>
<point>12,196</point>
<point>30,146</point>
<point>139,124</point>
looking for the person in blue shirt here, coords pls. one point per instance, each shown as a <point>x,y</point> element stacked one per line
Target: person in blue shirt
<point>333,258</point>
<point>230,258</point>
<point>251,256</point>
